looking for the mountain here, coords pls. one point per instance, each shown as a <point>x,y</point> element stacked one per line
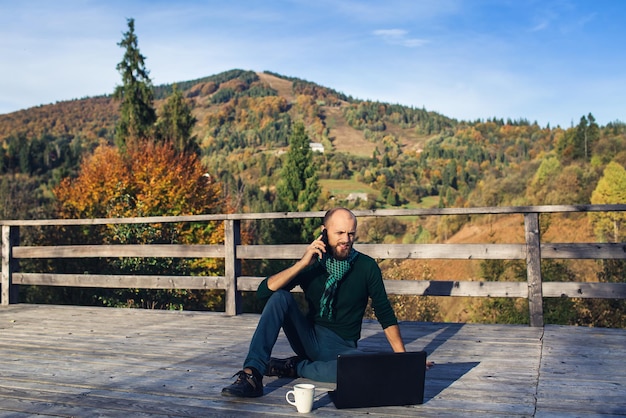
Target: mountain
<point>388,154</point>
<point>95,117</point>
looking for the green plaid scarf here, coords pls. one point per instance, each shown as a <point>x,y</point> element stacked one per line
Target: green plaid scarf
<point>337,269</point>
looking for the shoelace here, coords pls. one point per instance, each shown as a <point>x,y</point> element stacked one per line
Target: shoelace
<point>249,378</point>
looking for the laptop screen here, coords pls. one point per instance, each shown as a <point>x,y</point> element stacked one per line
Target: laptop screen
<point>380,379</point>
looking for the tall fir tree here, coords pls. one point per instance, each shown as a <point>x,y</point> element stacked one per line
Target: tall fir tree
<point>137,114</point>
<point>590,135</point>
<point>298,189</point>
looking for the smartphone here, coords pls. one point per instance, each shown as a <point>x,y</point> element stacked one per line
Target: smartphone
<point>325,238</point>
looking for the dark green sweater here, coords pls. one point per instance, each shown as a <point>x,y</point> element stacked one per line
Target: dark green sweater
<point>363,281</point>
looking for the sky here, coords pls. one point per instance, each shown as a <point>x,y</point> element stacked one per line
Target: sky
<point>546,61</point>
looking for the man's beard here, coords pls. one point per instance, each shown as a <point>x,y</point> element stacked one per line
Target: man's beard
<point>341,251</point>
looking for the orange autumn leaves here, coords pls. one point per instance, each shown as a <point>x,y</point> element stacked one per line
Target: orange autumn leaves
<point>150,180</point>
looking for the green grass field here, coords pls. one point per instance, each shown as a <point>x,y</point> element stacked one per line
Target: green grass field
<point>345,187</point>
<point>342,188</point>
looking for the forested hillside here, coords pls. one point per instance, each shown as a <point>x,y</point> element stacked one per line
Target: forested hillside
<point>400,156</point>
<point>374,155</point>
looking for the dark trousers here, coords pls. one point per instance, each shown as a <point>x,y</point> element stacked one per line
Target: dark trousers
<point>318,345</point>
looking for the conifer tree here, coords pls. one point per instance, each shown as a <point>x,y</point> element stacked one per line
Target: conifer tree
<point>298,189</point>
<point>176,122</point>
<point>137,114</point>
<point>591,134</point>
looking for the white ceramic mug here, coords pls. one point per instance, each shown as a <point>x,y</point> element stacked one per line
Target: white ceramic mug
<point>303,395</point>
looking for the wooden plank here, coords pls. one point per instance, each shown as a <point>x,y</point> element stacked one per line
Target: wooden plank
<point>428,287</point>
<point>533,269</point>
<point>445,251</point>
<point>497,210</point>
<point>249,283</point>
<point>395,251</point>
<point>10,238</point>
<point>6,278</point>
<point>394,287</point>
<point>152,250</point>
<point>121,281</point>
<point>232,239</point>
<point>456,288</point>
<point>584,251</point>
<point>295,251</point>
<point>481,289</point>
<point>155,220</point>
<point>584,290</point>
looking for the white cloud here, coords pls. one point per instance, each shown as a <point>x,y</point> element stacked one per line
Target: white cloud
<point>390,33</point>
<point>399,37</point>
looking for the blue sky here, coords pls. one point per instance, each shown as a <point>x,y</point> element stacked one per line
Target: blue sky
<point>549,61</point>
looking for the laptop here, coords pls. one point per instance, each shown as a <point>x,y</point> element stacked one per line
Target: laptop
<point>379,379</point>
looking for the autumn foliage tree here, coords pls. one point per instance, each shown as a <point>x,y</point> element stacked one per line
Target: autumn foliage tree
<point>98,190</point>
<point>608,226</point>
<point>149,180</point>
<point>153,180</point>
<point>611,189</point>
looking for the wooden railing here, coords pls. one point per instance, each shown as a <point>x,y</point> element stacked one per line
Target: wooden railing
<point>532,251</point>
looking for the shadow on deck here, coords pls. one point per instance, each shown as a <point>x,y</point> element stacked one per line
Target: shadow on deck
<point>82,361</point>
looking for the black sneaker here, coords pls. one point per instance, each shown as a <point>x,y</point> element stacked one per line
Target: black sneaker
<point>246,386</point>
<point>283,367</point>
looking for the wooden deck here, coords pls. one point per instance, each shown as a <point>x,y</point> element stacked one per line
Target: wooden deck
<point>85,362</point>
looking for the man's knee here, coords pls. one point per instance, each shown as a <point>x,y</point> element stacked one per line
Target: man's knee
<point>282,298</point>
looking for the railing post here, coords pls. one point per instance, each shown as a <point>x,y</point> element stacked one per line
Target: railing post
<point>533,269</point>
<point>232,268</point>
<point>10,238</point>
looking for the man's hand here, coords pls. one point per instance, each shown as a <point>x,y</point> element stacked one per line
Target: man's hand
<point>395,340</point>
<point>281,279</point>
<point>316,249</point>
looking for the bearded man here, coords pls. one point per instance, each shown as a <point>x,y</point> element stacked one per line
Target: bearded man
<point>337,282</point>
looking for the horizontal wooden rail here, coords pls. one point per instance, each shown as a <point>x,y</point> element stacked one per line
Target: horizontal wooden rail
<point>488,210</point>
<point>295,251</point>
<point>119,281</point>
<point>233,253</point>
<point>584,251</point>
<point>115,251</point>
<point>584,290</point>
<point>430,287</point>
<point>394,287</point>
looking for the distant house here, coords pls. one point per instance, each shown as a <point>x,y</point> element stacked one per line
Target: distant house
<point>354,196</point>
<point>317,147</point>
